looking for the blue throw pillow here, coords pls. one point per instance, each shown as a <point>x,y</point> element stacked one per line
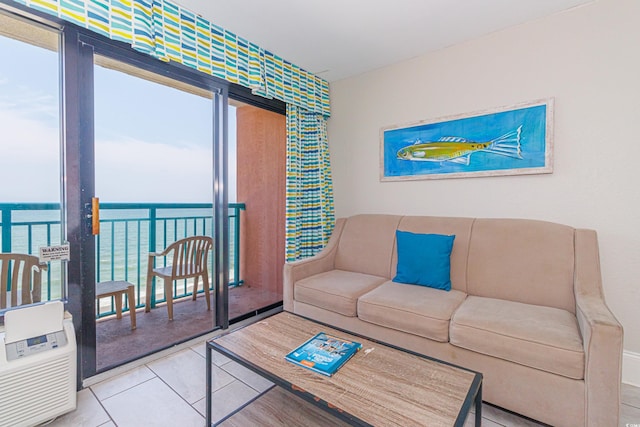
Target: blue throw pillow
<point>424,259</point>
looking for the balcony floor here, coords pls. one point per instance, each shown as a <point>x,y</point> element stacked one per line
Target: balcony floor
<point>116,343</point>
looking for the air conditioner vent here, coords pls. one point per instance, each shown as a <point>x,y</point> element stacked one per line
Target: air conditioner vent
<point>38,387</point>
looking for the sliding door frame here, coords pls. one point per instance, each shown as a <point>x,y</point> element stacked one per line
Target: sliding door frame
<point>78,130</point>
<point>123,53</point>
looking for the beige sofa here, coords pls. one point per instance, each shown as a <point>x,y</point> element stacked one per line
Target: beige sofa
<point>526,308</point>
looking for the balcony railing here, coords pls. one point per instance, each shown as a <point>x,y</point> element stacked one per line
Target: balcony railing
<point>128,232</point>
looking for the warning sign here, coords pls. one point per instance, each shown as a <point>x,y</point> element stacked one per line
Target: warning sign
<point>54,253</point>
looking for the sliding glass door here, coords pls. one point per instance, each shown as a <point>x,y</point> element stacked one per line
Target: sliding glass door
<point>150,167</point>
<point>154,179</point>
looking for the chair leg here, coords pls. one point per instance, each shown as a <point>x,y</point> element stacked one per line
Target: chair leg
<point>168,295</point>
<point>195,287</point>
<point>205,283</point>
<point>147,297</point>
<point>118,298</point>
<point>131,301</point>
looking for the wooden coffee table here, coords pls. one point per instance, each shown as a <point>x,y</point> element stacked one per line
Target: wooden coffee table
<point>380,385</point>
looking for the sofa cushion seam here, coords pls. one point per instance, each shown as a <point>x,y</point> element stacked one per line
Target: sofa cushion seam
<point>404,311</point>
<point>517,338</point>
<point>346,298</point>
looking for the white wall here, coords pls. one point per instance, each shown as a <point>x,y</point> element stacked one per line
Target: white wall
<point>588,60</point>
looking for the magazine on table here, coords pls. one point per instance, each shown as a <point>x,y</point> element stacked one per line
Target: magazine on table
<point>324,353</point>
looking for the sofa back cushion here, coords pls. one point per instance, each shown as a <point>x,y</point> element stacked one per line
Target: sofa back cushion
<point>366,244</point>
<point>522,260</point>
<point>460,227</point>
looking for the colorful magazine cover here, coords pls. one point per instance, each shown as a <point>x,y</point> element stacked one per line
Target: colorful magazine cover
<point>324,353</point>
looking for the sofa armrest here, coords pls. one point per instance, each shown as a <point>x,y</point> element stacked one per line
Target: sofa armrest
<point>602,335</point>
<point>319,263</point>
<point>602,339</point>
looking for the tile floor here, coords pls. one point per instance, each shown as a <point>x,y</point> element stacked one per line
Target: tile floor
<point>170,391</point>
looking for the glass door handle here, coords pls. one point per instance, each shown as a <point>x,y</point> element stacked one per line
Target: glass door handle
<point>95,216</point>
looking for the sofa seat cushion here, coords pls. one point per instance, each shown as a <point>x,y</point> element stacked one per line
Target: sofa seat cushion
<point>335,290</point>
<point>417,310</point>
<point>544,338</point>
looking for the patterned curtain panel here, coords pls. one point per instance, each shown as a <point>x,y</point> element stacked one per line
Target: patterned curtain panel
<point>169,32</point>
<point>310,213</point>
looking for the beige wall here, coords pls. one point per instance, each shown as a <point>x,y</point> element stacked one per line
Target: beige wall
<point>588,60</point>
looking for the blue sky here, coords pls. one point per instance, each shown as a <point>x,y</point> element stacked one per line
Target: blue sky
<point>29,123</point>
<point>153,143</point>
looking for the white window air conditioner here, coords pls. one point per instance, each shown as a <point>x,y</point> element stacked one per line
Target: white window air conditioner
<point>37,365</point>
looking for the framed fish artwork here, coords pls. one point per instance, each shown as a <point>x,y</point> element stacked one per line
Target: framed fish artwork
<point>514,140</point>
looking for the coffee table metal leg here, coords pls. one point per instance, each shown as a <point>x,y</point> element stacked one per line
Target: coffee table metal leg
<point>479,406</point>
<point>208,386</point>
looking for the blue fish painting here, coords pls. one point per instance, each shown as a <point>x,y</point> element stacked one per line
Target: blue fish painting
<point>511,141</point>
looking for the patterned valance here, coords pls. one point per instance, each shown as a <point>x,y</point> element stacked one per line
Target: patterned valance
<point>169,32</point>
